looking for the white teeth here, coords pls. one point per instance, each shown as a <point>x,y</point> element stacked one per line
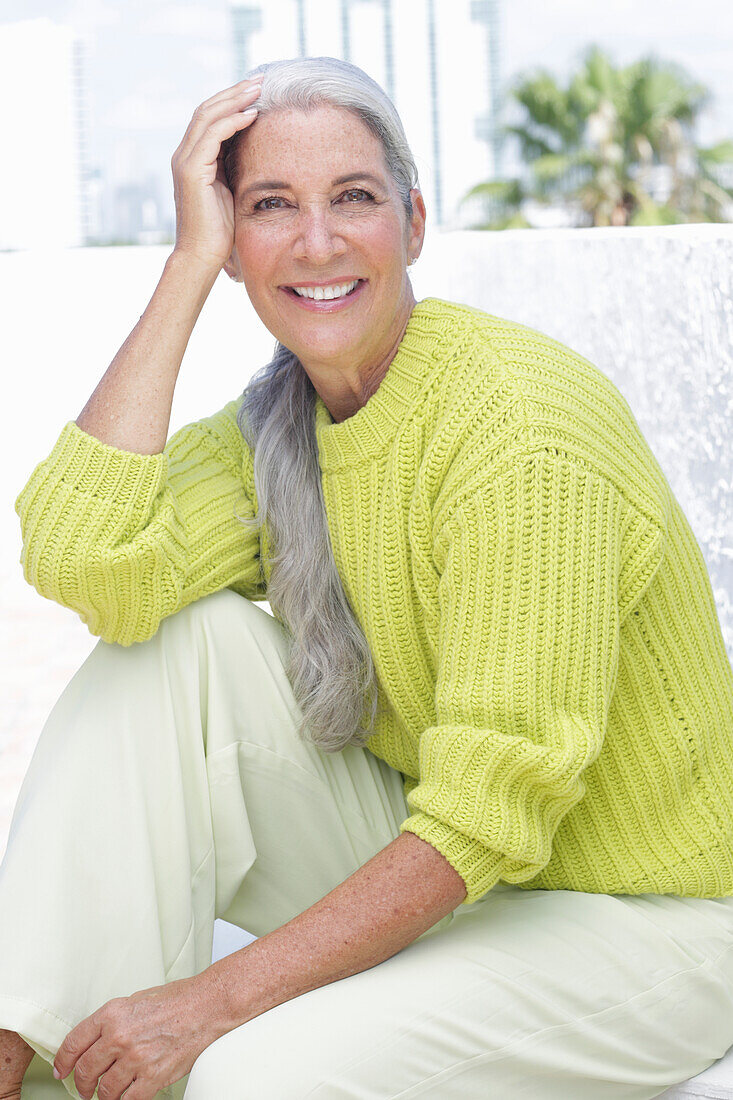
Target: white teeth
<point>319,293</point>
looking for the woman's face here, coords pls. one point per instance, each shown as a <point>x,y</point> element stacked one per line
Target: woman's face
<point>306,228</point>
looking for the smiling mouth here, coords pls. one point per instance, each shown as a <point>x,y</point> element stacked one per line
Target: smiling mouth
<point>324,302</point>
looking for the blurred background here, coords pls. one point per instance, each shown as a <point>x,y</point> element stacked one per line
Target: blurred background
<point>576,160</point>
<point>570,113</point>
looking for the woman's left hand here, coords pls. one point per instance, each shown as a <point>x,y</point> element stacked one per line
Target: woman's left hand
<point>144,1042</point>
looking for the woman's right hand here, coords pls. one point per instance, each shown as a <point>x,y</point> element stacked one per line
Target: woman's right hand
<point>204,203</point>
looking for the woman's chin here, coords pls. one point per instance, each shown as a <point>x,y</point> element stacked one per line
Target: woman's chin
<point>323,338</point>
<point>338,353</point>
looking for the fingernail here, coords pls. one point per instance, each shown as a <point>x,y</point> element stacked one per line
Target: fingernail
<point>56,1074</point>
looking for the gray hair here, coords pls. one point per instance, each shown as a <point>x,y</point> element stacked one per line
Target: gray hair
<point>330,666</point>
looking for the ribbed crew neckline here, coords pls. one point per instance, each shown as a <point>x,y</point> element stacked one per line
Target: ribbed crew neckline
<point>367,434</point>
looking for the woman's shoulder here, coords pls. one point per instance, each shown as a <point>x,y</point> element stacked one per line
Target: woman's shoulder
<point>545,395</point>
<point>528,358</point>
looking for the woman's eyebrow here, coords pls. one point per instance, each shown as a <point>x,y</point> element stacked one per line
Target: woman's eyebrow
<point>271,185</point>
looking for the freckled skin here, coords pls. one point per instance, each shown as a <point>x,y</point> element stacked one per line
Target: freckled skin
<point>316,231</point>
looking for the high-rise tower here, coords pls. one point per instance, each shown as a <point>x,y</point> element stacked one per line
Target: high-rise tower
<point>437,60</point>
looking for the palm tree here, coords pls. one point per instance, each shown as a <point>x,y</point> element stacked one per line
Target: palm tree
<point>599,146</point>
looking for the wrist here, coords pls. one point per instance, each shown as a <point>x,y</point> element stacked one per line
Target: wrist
<point>246,983</point>
<point>193,265</point>
<point>216,999</point>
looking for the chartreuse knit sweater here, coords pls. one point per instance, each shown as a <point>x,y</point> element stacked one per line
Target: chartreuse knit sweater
<point>556,690</point>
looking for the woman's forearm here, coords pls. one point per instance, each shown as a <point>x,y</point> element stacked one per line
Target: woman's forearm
<point>130,408</point>
<point>401,892</point>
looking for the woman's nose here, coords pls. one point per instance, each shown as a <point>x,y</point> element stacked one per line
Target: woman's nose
<point>318,238</point>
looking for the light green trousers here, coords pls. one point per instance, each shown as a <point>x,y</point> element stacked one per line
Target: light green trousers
<point>169,787</point>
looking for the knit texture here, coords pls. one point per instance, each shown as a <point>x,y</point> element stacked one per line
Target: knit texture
<point>555,687</point>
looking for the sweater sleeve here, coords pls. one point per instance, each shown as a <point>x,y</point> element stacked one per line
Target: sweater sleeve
<point>126,539</point>
<point>532,568</point>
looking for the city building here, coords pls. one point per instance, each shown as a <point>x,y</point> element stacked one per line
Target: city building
<point>45,122</point>
<point>438,60</point>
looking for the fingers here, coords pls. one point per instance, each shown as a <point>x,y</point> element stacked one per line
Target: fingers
<point>209,147</point>
<point>112,1083</point>
<point>90,1067</point>
<point>76,1042</point>
<point>138,1090</point>
<point>221,106</point>
<point>241,85</point>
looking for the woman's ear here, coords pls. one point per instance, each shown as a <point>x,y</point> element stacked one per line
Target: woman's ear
<point>417,222</point>
<point>233,267</point>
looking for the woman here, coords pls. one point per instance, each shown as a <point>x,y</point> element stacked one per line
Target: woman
<point>471,784</point>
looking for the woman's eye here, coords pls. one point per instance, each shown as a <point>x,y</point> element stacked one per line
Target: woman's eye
<point>271,198</point>
<point>278,198</point>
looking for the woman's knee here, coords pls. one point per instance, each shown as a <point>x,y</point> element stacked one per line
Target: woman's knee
<point>214,631</point>
<point>244,1065</point>
<point>222,614</point>
<point>210,1075</point>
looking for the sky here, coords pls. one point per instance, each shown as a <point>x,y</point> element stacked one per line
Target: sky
<point>153,61</point>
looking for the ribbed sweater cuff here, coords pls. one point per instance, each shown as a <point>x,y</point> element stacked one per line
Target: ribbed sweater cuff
<point>478,866</point>
<point>98,469</point>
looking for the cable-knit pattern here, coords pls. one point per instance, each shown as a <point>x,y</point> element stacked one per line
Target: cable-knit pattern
<point>127,539</point>
<point>556,690</point>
